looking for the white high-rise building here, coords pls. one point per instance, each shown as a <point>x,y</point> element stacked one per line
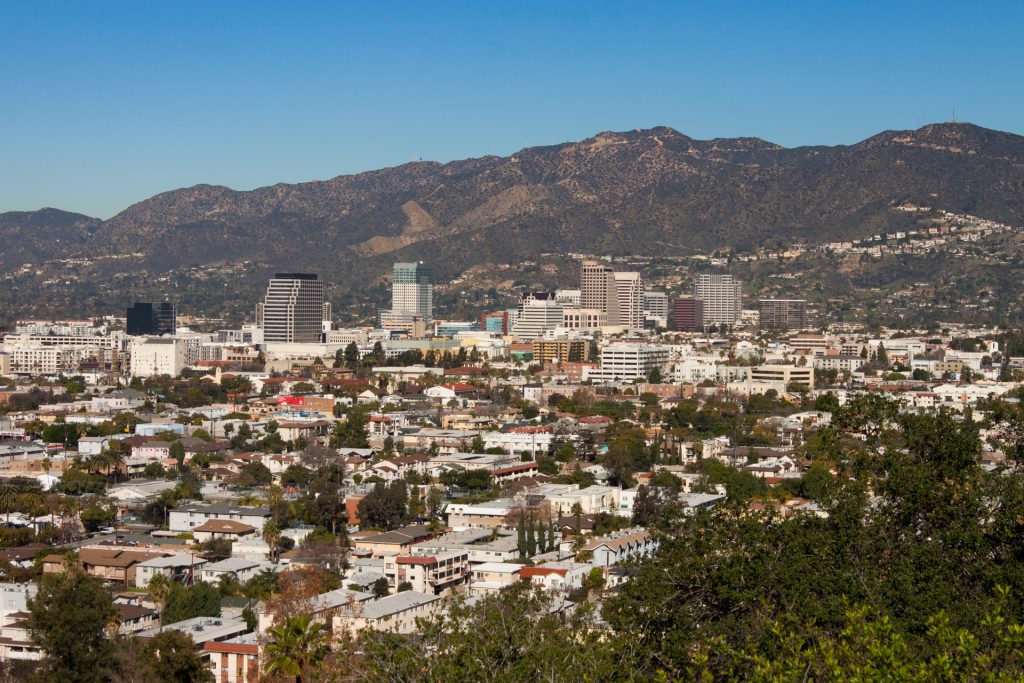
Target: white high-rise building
<point>629,295</point>
<point>293,309</point>
<point>538,312</point>
<point>412,292</point>
<point>722,297</point>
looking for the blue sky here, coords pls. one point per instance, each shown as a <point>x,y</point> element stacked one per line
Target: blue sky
<point>103,104</point>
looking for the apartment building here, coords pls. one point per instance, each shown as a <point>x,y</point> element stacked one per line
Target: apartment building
<point>722,296</point>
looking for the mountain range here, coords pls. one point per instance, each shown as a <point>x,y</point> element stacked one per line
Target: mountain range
<point>653,191</point>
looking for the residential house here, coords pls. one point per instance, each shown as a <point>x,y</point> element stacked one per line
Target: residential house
<point>188,517</point>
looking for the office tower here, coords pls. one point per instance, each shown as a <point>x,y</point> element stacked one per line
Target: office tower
<point>629,300</point>
<point>687,314</point>
<point>722,296</point>
<point>619,294</point>
<point>496,323</point>
<point>538,312</point>
<point>412,292</point>
<point>151,319</point>
<point>597,289</point>
<point>293,309</point>
<point>783,314</point>
<point>656,304</point>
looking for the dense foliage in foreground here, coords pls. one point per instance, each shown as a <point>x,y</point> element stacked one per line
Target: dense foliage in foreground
<point>915,574</point>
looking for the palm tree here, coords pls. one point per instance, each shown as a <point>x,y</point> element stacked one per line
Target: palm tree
<point>271,534</point>
<point>30,500</point>
<point>228,585</point>
<point>296,647</point>
<point>159,589</point>
<point>259,587</point>
<point>8,496</point>
<point>115,459</point>
<point>275,496</point>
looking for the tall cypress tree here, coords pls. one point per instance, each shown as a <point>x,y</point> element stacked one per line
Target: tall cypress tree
<point>521,535</point>
<point>551,535</point>
<point>531,538</point>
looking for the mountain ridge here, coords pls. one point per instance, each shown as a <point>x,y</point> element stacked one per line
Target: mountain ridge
<point>646,190</point>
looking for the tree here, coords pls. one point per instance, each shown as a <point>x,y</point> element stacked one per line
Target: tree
<point>531,538</point>
<point>381,587</point>
<point>651,505</point>
<point>827,402</point>
<point>295,475</point>
<point>159,590</point>
<point>95,517</point>
<point>154,470</point>
<point>271,535</point>
<point>254,474</point>
<point>198,600</point>
<point>68,619</point>
<point>435,502</point>
<point>171,657</point>
<point>385,507</point>
<point>352,432</point>
<point>351,355</point>
<point>521,534</point>
<point>296,648</point>
<point>177,451</point>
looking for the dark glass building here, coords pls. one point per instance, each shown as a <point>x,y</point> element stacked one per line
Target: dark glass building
<point>152,319</point>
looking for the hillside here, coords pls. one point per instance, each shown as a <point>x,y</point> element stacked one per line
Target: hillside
<point>651,191</point>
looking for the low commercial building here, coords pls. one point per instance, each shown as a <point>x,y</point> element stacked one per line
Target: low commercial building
<point>627,362</point>
<point>784,374</point>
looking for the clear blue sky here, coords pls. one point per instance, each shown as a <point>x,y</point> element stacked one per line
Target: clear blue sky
<point>103,104</point>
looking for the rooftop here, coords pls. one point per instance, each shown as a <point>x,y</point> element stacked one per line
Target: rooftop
<point>394,604</point>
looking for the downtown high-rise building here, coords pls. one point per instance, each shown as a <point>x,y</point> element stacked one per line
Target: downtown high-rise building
<point>412,294</point>
<point>629,299</point>
<point>293,309</point>
<point>722,297</point>
<point>620,295</point>
<point>537,313</point>
<point>687,314</point>
<point>151,319</point>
